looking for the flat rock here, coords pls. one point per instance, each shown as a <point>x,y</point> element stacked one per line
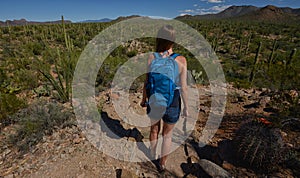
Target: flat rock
<point>213,169</point>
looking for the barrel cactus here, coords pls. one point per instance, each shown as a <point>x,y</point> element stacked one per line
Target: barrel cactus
<point>259,145</point>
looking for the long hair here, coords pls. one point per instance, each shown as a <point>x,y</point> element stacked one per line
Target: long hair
<point>165,38</point>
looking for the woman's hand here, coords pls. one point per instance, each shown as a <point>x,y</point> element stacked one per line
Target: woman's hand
<point>185,112</point>
<point>143,103</point>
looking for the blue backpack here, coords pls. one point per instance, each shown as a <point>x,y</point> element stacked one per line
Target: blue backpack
<point>162,79</point>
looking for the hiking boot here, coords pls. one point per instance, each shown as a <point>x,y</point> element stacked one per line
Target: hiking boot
<point>161,168</point>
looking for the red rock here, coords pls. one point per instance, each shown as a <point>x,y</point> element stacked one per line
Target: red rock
<point>227,165</point>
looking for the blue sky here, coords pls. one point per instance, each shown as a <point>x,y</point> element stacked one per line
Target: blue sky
<point>78,10</point>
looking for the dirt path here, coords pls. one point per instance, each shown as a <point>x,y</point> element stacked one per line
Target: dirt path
<point>67,152</point>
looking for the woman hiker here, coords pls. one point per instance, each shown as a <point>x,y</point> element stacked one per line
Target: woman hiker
<point>164,49</point>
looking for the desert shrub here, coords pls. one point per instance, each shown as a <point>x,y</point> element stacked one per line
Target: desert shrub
<point>287,103</point>
<point>260,145</point>
<point>43,90</point>
<point>108,69</point>
<point>198,76</point>
<point>197,69</point>
<point>9,104</point>
<point>64,67</point>
<point>39,119</point>
<point>132,53</point>
<point>35,48</point>
<point>26,78</point>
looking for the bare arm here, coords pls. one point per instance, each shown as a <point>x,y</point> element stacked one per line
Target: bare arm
<point>183,82</point>
<point>144,99</point>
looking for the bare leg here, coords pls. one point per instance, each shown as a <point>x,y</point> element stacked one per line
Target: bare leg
<point>155,129</point>
<point>167,142</point>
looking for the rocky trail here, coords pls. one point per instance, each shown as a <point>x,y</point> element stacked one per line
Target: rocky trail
<point>68,153</point>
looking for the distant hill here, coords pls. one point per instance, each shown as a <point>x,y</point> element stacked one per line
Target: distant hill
<point>290,10</point>
<point>96,21</point>
<point>233,11</point>
<point>25,22</point>
<point>274,14</point>
<point>125,18</point>
<point>252,13</point>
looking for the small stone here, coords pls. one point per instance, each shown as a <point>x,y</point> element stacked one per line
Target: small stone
<point>193,159</point>
<point>283,134</point>
<point>82,175</point>
<point>293,93</point>
<point>204,109</point>
<point>85,167</point>
<point>115,96</point>
<point>244,169</point>
<point>289,145</point>
<point>227,165</point>
<point>63,156</point>
<point>9,176</point>
<point>71,150</point>
<point>76,140</point>
<point>6,152</point>
<point>21,169</point>
<point>58,147</point>
<point>127,174</point>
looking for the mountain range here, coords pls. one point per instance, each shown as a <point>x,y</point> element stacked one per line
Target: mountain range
<point>252,13</point>
<point>25,22</point>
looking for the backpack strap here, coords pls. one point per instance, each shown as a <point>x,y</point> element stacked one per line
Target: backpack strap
<point>174,55</point>
<point>156,55</point>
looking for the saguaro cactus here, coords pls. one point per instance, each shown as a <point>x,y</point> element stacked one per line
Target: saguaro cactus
<point>271,57</point>
<point>248,44</point>
<point>290,59</point>
<point>256,60</point>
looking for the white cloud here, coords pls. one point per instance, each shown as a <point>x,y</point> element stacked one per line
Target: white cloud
<point>188,11</point>
<point>215,1</point>
<point>212,10</point>
<point>183,14</point>
<point>201,11</point>
<point>219,8</point>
